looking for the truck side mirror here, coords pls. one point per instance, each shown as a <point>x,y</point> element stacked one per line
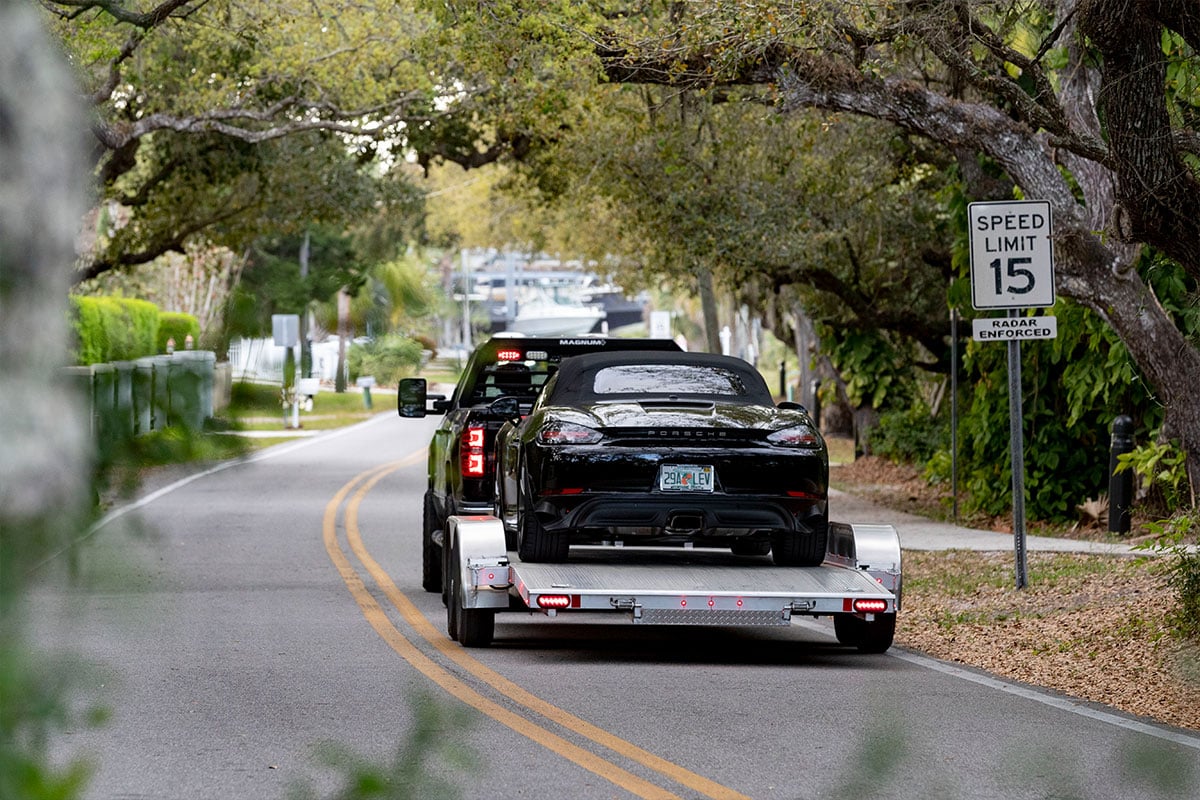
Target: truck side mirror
<point>411,397</point>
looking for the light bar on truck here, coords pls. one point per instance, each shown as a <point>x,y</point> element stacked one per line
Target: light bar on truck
<point>508,355</point>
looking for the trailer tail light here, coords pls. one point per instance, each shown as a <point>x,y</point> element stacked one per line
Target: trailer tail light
<point>554,601</point>
<point>870,606</point>
<point>473,460</point>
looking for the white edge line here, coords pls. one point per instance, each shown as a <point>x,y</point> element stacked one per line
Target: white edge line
<point>262,455</point>
<point>1067,704</point>
<point>1062,703</point>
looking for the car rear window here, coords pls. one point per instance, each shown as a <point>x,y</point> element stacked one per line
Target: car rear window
<point>668,379</point>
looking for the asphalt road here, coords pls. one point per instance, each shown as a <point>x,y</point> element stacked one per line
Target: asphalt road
<point>234,622</point>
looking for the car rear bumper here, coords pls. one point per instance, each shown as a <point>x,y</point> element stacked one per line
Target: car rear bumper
<point>666,517</point>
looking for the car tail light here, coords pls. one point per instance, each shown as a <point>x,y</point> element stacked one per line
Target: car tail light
<point>870,606</point>
<point>473,460</point>
<point>568,433</point>
<point>796,436</point>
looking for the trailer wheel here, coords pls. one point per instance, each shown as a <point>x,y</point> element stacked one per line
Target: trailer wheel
<point>799,548</point>
<point>471,627</point>
<point>431,554</point>
<point>536,544</point>
<point>875,636</point>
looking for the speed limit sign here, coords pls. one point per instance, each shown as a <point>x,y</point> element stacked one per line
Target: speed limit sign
<point>1012,257</point>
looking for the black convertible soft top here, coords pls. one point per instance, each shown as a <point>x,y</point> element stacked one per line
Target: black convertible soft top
<point>659,374</point>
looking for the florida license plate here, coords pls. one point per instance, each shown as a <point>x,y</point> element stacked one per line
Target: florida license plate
<point>685,478</point>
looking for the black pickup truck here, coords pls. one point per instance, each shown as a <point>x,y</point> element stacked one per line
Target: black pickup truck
<point>503,372</point>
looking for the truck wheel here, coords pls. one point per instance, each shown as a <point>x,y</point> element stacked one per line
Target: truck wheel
<point>536,544</point>
<point>875,636</point>
<point>431,554</point>
<point>472,627</point>
<point>800,549</point>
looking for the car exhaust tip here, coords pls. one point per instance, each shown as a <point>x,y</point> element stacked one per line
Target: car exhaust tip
<point>684,523</point>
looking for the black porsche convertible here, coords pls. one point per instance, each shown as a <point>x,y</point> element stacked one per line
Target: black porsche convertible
<point>640,448</point>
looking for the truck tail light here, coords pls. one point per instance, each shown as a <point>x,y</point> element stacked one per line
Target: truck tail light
<point>554,601</point>
<point>474,461</point>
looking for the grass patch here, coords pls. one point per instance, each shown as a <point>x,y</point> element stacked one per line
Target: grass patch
<point>258,407</point>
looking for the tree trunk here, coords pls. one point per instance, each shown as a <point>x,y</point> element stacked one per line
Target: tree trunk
<point>708,307</point>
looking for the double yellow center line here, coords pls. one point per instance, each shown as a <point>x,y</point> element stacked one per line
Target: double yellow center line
<point>357,489</point>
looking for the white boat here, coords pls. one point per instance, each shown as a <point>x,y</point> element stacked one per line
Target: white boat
<point>543,315</point>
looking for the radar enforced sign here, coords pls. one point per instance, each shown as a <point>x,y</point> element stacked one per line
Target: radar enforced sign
<point>1012,259</point>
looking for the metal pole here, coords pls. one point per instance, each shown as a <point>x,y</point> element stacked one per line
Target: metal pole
<point>1017,437</point>
<point>954,410</point>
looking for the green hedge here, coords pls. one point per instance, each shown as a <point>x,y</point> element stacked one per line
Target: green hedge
<point>177,326</point>
<point>113,329</point>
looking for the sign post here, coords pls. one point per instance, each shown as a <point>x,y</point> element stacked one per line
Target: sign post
<point>1012,268</point>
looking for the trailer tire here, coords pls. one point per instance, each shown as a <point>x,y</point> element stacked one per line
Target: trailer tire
<point>537,545</point>
<point>875,636</point>
<point>800,548</point>
<point>431,554</point>
<point>471,627</point>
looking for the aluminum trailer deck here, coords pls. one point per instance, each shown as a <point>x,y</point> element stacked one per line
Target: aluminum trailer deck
<point>858,585</point>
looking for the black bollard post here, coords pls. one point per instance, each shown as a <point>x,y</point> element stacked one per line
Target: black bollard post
<point>1120,485</point>
<point>783,379</point>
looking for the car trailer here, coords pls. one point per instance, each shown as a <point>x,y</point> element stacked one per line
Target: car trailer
<point>858,584</point>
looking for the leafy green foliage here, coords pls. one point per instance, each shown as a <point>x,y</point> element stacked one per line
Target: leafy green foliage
<point>271,282</point>
<point>388,359</point>
<point>113,329</point>
<point>178,326</point>
<point>1072,389</point>
<point>910,435</point>
<point>1176,538</point>
<point>1162,467</point>
<point>417,768</point>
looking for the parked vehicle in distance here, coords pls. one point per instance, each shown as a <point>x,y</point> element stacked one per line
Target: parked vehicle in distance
<point>501,380</point>
<point>661,448</point>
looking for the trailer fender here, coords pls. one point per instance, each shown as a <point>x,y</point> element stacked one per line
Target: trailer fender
<point>482,565</point>
<point>875,549</point>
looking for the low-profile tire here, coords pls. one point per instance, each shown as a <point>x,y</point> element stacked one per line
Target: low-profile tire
<point>535,544</point>
<point>431,553</point>
<point>750,547</point>
<point>874,636</point>
<point>800,549</point>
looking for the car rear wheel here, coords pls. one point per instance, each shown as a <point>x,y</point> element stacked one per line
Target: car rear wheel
<point>536,544</point>
<point>800,548</point>
<point>431,553</point>
<point>750,547</point>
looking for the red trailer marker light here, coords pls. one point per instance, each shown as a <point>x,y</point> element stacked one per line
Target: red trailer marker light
<point>870,606</point>
<point>554,601</point>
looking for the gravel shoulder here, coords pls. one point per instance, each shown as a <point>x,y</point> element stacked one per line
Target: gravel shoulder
<point>1092,623</point>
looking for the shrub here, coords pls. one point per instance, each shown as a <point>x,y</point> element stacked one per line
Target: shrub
<point>177,326</point>
<point>113,329</point>
<point>388,359</point>
<point>909,435</point>
<point>1175,538</point>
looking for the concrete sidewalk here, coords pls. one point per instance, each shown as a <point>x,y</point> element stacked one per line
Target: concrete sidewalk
<point>919,533</point>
